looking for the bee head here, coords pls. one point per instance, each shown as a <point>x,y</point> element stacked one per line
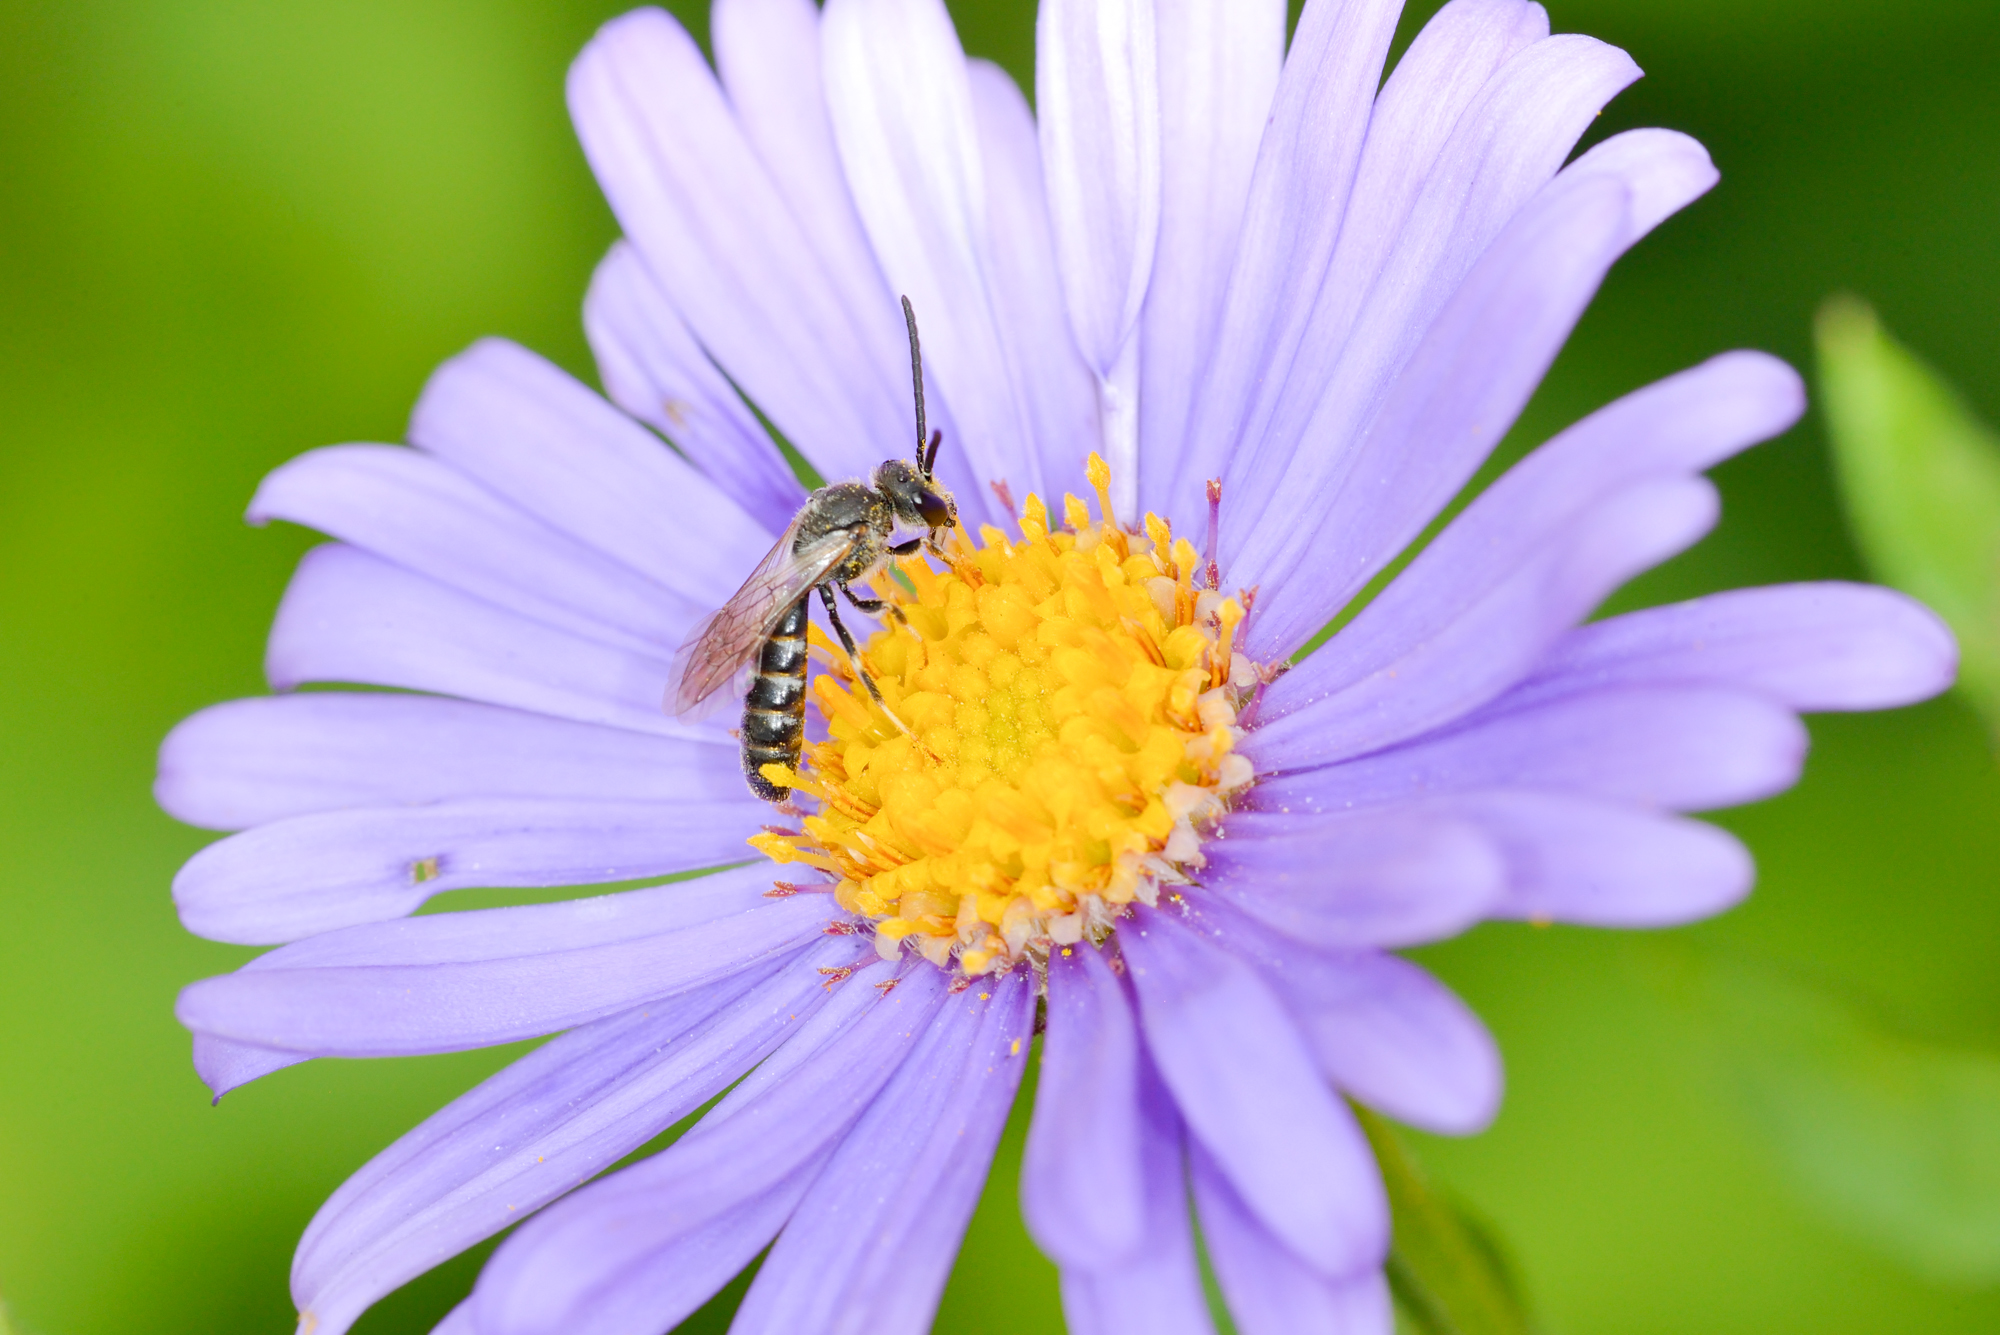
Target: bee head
<point>917,499</point>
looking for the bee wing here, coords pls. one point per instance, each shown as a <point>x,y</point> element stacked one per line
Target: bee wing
<point>722,644</point>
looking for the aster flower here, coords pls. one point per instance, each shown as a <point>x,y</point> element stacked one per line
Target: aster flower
<point>1209,259</point>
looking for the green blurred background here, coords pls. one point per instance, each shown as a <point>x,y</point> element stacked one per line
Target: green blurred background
<point>232,231</point>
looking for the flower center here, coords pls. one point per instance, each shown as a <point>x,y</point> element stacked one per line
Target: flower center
<point>1073,698</point>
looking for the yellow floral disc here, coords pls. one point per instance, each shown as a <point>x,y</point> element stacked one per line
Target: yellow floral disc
<point>1073,698</point>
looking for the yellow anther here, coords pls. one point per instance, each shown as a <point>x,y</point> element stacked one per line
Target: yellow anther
<point>1035,518</point>
<point>1076,742</point>
<point>1099,474</point>
<point>1076,515</point>
<point>1162,539</point>
<point>1230,614</point>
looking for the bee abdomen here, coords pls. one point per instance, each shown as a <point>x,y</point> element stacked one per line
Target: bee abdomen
<point>774,712</point>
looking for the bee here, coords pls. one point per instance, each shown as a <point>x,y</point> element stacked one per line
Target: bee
<point>840,537</point>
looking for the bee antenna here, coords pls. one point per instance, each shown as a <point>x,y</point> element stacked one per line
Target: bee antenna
<point>917,378</point>
<point>930,455</point>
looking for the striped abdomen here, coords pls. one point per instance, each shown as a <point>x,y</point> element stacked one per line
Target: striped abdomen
<point>774,712</point>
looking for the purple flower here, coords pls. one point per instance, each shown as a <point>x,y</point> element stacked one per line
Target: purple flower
<point>1209,258</point>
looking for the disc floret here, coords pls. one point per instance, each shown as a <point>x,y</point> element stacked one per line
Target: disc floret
<point>1075,698</point>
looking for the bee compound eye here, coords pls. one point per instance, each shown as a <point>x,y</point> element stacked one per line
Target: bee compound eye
<point>935,509</point>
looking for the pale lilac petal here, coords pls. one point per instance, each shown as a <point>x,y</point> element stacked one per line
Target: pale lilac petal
<point>654,369</point>
<point>351,617</point>
<point>224,1065</point>
<point>770,55</point>
<point>1534,282</point>
<point>410,508</point>
<point>1376,878</point>
<point>262,759</point>
<point>1300,193</point>
<point>1082,1193</point>
<point>292,878</point>
<point>1682,424</point>
<point>870,1246</point>
<point>1269,1291</point>
<point>1687,748</point>
<point>1462,388</point>
<point>1097,85</point>
<point>612,1257</point>
<point>695,197</point>
<point>1388,1034</point>
<point>1249,1089</point>
<point>901,103</point>
<point>1453,631</point>
<point>458,1321</point>
<point>1601,864</point>
<point>1219,64</point>
<point>1158,1290</point>
<point>1061,390</point>
<point>524,428</point>
<point>539,1128</point>
<point>1811,646</point>
<point>452,981</point>
<point>1504,147</point>
<point>1443,98</point>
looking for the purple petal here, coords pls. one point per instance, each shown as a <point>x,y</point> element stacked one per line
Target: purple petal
<point>696,199</point>
<point>1097,84</point>
<point>1387,1033</point>
<point>1448,71</point>
<point>1680,748</point>
<point>1572,859</point>
<point>1219,65</point>
<point>1268,1289</point>
<point>901,104</point>
<point>872,1243</point>
<point>223,1065</point>
<point>770,55</point>
<point>412,509</point>
<point>351,617</point>
<point>267,758</point>
<point>1811,646</point>
<point>1157,1291</point>
<point>1462,387</point>
<point>1372,879</point>
<point>654,369</point>
<point>1453,632</point>
<point>1248,1087</point>
<point>1300,194</point>
<point>614,1257</point>
<point>1061,391</point>
<point>458,1321</point>
<point>294,878</point>
<point>1082,1193</point>
<point>538,1129</point>
<point>1376,306</point>
<point>451,981</point>
<point>524,428</point>
<point>1682,424</point>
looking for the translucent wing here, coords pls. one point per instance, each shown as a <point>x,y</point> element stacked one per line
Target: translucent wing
<point>719,646</point>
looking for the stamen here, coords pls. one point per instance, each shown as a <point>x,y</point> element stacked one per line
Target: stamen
<point>1214,532</point>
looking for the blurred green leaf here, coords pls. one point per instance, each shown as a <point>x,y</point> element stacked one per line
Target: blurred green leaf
<point>1897,1139</point>
<point>1921,480</point>
<point>1447,1272</point>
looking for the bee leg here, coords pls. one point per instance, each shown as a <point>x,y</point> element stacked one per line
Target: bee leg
<point>861,669</point>
<point>875,606</point>
<point>910,548</point>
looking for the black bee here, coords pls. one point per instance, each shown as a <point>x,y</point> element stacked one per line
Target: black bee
<point>838,538</point>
